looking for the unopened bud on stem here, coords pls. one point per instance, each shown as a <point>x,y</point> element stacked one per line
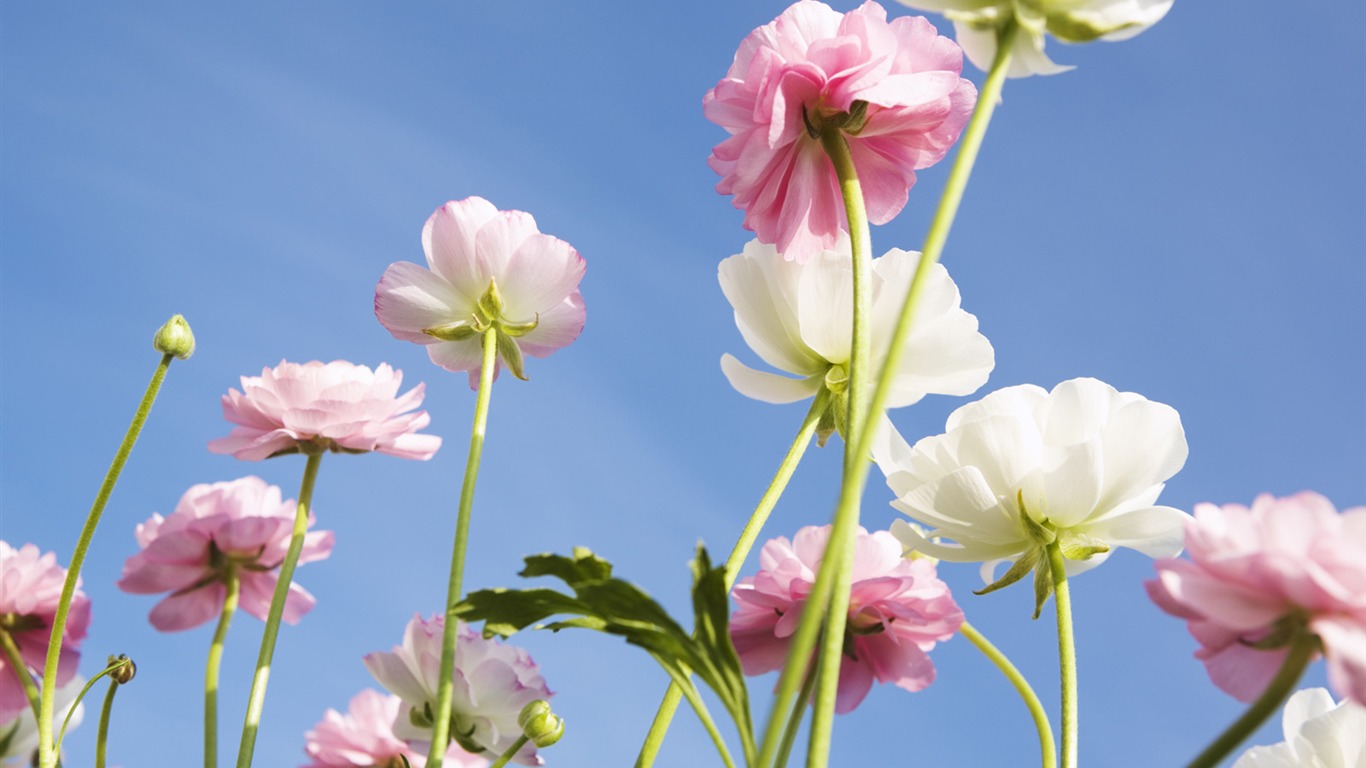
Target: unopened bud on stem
<point>175,338</point>
<point>540,724</point>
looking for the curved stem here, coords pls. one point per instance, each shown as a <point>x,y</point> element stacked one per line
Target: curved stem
<point>442,716</point>
<point>794,720</point>
<point>232,585</point>
<point>1047,748</point>
<point>1067,654</point>
<point>47,754</point>
<point>664,716</point>
<point>102,733</point>
<point>1301,652</point>
<point>20,667</point>
<point>689,690</point>
<point>256,701</point>
<point>114,664</point>
<point>507,756</point>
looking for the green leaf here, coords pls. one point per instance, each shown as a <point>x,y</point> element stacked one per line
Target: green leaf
<point>711,628</point>
<point>583,567</point>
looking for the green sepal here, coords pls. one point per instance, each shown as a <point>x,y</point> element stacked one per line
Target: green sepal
<point>452,331</point>
<point>1078,546</point>
<point>511,355</point>
<point>517,330</point>
<point>8,736</point>
<point>1017,571</point>
<point>1071,29</point>
<point>421,718</point>
<point>491,303</point>
<point>1284,631</point>
<point>1043,586</point>
<point>826,426</point>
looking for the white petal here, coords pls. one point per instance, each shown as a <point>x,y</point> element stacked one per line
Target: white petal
<point>762,288</point>
<point>410,298</point>
<point>1144,445</point>
<point>1154,531</point>
<point>768,387</point>
<point>448,237</point>
<point>825,305</point>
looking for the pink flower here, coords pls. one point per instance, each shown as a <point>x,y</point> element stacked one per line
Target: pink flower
<point>240,525</point>
<point>337,406</point>
<point>30,589</point>
<point>493,681</point>
<point>898,610</point>
<point>1256,576</point>
<point>364,737</point>
<point>893,88</point>
<point>489,268</point>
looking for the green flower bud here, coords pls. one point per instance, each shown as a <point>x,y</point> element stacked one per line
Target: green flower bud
<point>540,724</point>
<point>175,338</point>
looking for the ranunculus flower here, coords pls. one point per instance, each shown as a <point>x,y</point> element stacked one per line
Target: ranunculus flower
<point>30,590</point>
<point>493,681</point>
<point>898,610</point>
<point>19,731</point>
<point>312,407</point>
<point>1258,575</point>
<point>241,525</point>
<point>1023,467</point>
<point>892,88</point>
<point>488,268</point>
<point>798,318</point>
<point>975,23</point>
<point>1318,734</point>
<point>364,738</point>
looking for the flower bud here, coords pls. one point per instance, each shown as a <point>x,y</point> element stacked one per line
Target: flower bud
<point>540,724</point>
<point>126,669</point>
<point>175,338</point>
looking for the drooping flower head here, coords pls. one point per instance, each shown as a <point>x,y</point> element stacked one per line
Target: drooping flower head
<point>898,610</point>
<point>891,88</point>
<point>1022,467</point>
<point>240,527</point>
<point>1259,576</point>
<point>314,407</point>
<point>488,269</point>
<point>19,731</point>
<point>30,591</point>
<point>364,738</point>
<point>976,24</point>
<point>1318,734</point>
<point>492,682</point>
<point>798,318</point>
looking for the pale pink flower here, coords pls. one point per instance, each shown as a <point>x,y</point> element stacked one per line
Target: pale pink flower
<point>893,88</point>
<point>312,407</point>
<point>243,525</point>
<point>1256,575</point>
<point>898,610</point>
<point>364,737</point>
<point>30,590</point>
<point>488,268</point>
<point>492,682</point>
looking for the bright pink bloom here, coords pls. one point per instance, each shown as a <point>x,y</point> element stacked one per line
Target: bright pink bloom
<point>1282,563</point>
<point>470,247</point>
<point>364,737</point>
<point>493,681</point>
<point>898,610</point>
<point>809,68</point>
<point>243,525</point>
<point>337,406</point>
<point>30,589</point>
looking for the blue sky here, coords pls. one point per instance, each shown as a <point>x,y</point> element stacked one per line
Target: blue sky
<point>1181,216</point>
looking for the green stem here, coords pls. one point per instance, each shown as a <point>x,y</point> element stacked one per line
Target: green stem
<point>442,716</point>
<point>232,584</point>
<point>114,665</point>
<point>511,752</point>
<point>689,690</point>
<point>1047,748</point>
<point>794,720</point>
<point>1302,651</point>
<point>102,733</point>
<point>664,716</point>
<point>20,667</point>
<point>1067,653</point>
<point>47,754</point>
<point>256,700</point>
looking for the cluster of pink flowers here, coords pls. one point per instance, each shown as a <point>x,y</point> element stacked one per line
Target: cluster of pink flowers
<point>30,589</point>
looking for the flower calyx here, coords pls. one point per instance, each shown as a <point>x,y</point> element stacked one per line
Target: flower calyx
<point>835,417</point>
<point>488,315</point>
<point>821,119</point>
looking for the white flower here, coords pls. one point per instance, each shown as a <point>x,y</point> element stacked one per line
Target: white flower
<point>975,24</point>
<point>19,736</point>
<point>1317,735</point>
<point>798,318</point>
<point>1022,467</point>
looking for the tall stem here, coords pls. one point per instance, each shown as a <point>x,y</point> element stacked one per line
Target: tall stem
<point>794,720</point>
<point>664,716</point>
<point>1047,748</point>
<point>16,662</point>
<point>1067,654</point>
<point>510,752</point>
<point>442,716</point>
<point>102,732</point>
<point>47,754</point>
<point>232,585</point>
<point>1301,652</point>
<point>256,701</point>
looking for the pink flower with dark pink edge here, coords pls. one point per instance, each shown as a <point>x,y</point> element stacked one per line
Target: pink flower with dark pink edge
<point>892,88</point>
<point>240,527</point>
<point>487,269</point>
<point>898,610</point>
<point>364,738</point>
<point>1258,576</point>
<point>30,590</point>
<point>315,407</point>
<point>492,682</point>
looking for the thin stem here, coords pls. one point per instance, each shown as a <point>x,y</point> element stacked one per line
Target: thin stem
<point>794,720</point>
<point>20,667</point>
<point>664,716</point>
<point>47,754</point>
<point>507,756</point>
<point>442,716</point>
<point>256,701</point>
<point>102,733</point>
<point>689,690</point>
<point>232,585</point>
<point>1047,748</point>
<point>1067,654</point>
<point>114,665</point>
<point>1302,651</point>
